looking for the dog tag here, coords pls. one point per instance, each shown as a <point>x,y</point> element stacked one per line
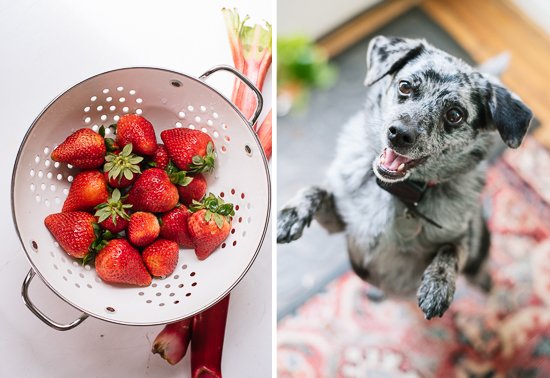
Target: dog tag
<point>407,226</point>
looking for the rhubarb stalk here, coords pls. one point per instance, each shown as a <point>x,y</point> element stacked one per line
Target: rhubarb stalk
<point>251,50</point>
<point>207,345</point>
<point>172,342</point>
<point>264,134</point>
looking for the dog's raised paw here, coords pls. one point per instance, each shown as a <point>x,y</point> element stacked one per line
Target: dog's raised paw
<point>435,296</point>
<point>290,225</point>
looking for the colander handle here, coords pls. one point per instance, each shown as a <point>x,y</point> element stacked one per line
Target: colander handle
<point>244,79</point>
<point>39,314</point>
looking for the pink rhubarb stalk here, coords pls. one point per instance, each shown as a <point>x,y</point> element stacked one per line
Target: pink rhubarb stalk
<point>264,134</point>
<point>172,342</point>
<point>251,50</point>
<point>207,345</point>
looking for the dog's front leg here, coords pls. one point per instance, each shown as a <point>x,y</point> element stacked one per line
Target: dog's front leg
<point>438,282</point>
<point>297,214</point>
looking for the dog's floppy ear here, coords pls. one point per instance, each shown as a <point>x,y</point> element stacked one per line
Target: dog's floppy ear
<point>510,116</point>
<point>387,55</point>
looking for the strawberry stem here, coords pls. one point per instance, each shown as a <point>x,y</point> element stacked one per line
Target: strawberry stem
<point>205,163</point>
<point>112,208</point>
<point>176,176</point>
<point>215,208</point>
<point>125,164</point>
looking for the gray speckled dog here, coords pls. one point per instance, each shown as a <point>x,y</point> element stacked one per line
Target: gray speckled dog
<point>405,184</point>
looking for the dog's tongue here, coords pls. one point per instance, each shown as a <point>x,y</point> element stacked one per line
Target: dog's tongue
<point>391,161</point>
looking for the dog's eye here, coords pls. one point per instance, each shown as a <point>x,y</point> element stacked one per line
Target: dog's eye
<point>454,116</point>
<point>405,88</point>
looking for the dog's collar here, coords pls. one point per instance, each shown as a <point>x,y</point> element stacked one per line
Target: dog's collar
<point>410,192</point>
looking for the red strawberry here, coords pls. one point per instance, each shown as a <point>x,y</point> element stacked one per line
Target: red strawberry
<point>74,231</point>
<point>174,226</point>
<point>209,225</point>
<point>112,214</point>
<point>190,150</point>
<point>153,192</point>
<point>161,257</point>
<point>119,262</point>
<point>83,149</point>
<point>161,158</point>
<point>194,191</point>
<point>134,129</point>
<point>88,190</point>
<point>143,229</point>
<point>122,167</point>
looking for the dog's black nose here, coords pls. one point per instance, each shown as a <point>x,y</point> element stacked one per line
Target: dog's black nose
<point>402,136</point>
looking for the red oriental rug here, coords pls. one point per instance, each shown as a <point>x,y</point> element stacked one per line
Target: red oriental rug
<point>340,333</point>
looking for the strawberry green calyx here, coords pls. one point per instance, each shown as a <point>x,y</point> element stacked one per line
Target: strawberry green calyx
<point>112,208</point>
<point>176,176</point>
<point>205,163</point>
<point>215,208</point>
<point>125,164</point>
<point>102,237</point>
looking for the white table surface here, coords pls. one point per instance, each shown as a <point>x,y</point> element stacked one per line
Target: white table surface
<point>46,47</point>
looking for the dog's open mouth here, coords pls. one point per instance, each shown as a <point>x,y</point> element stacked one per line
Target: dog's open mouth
<point>391,167</point>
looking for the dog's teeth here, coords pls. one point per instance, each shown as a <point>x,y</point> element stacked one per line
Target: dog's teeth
<point>401,167</point>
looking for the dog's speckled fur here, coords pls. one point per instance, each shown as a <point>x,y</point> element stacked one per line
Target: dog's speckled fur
<point>426,264</point>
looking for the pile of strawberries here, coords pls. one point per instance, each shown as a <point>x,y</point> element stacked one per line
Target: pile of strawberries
<point>136,202</point>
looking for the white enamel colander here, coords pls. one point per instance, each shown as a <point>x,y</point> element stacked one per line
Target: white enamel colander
<point>168,99</point>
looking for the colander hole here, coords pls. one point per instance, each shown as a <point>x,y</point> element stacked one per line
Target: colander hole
<point>95,128</point>
<point>248,205</point>
<point>203,108</point>
<point>139,111</point>
<point>232,230</point>
<point>116,118</point>
<point>222,194</point>
<point>86,109</point>
<point>110,309</point>
<point>178,124</point>
<point>158,294</point>
<point>112,108</point>
<point>244,234</point>
<point>34,245</point>
<point>87,267</point>
<point>71,178</point>
<point>56,244</point>
<point>188,294</point>
<point>194,284</point>
<point>139,100</point>
<point>190,108</point>
<point>69,271</point>
<point>87,120</point>
<point>227,138</point>
<point>223,245</point>
<point>57,200</point>
<point>65,278</point>
<point>37,159</point>
<point>176,276</point>
<point>81,275</point>
<point>242,195</point>
<point>125,109</point>
<point>191,126</point>
<point>240,219</point>
<point>47,203</point>
<point>37,198</point>
<point>32,172</point>
<point>56,164</point>
<point>46,151</point>
<point>99,108</point>
<point>180,286</point>
<point>161,304</point>
<point>132,92</point>
<point>215,134</point>
<point>210,123</point>
<point>141,293</point>
<point>154,285</point>
<point>103,118</point>
<point>175,83</point>
<point>120,89</point>
<point>215,115</point>
<point>184,266</point>
<point>66,191</point>
<point>93,98</point>
<point>98,280</point>
<point>77,285</point>
<point>224,149</point>
<point>109,99</point>
<point>106,90</point>
<point>224,126</point>
<point>52,254</point>
<point>232,191</point>
<point>176,302</point>
<point>181,114</point>
<point>237,207</point>
<point>197,119</point>
<point>88,286</point>
<point>53,188</point>
<point>32,187</point>
<point>248,220</point>
<point>49,175</point>
<point>69,166</point>
<point>234,243</point>
<point>204,130</point>
<point>122,99</point>
<point>148,301</point>
<point>192,274</point>
<point>172,294</point>
<point>43,186</point>
<point>55,267</point>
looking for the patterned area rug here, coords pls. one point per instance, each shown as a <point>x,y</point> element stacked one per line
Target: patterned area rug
<point>340,333</point>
